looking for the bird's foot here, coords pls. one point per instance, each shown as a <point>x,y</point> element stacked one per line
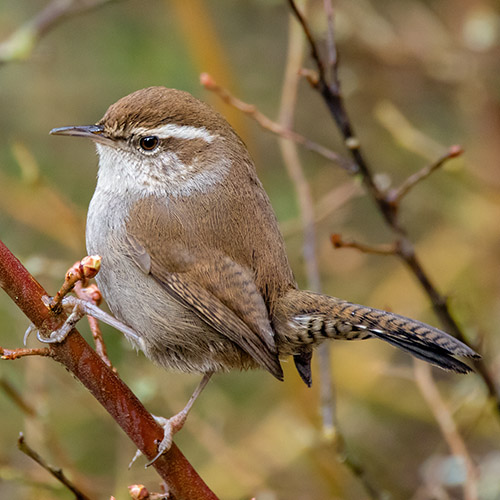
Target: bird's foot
<point>76,309</point>
<point>174,424</point>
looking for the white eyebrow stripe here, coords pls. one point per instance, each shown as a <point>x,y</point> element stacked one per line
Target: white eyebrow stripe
<point>177,132</point>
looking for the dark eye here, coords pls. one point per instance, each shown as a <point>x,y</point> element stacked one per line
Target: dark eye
<point>149,143</point>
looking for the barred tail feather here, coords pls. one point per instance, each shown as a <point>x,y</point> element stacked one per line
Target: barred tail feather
<point>304,319</point>
<point>431,353</point>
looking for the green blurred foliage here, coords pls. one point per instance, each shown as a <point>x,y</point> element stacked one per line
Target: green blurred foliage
<point>434,63</point>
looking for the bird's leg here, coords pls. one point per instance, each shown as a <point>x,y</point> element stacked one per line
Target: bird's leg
<point>77,308</point>
<point>174,424</point>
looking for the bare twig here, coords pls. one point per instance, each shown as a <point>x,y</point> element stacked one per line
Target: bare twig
<point>17,398</point>
<point>395,195</point>
<point>20,45</point>
<point>332,97</point>
<point>266,123</point>
<point>119,401</point>
<point>330,91</point>
<point>11,354</point>
<point>332,49</point>
<point>338,242</point>
<point>54,471</point>
<point>428,389</point>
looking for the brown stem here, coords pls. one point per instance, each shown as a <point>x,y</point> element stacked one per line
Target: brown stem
<point>338,242</point>
<point>276,128</point>
<point>395,195</point>
<point>118,400</point>
<point>54,471</point>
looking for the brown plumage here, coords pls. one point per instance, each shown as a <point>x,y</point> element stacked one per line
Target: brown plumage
<point>193,259</point>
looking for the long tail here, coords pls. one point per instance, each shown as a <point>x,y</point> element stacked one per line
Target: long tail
<point>304,319</point>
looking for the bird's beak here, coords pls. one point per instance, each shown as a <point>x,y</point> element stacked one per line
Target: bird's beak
<point>94,132</point>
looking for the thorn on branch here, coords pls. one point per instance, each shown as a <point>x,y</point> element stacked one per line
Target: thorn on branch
<point>389,249</point>
<point>54,471</point>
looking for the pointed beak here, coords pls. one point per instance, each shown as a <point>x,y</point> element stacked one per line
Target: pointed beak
<point>94,132</point>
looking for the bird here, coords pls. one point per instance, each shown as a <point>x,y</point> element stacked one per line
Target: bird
<point>193,260</point>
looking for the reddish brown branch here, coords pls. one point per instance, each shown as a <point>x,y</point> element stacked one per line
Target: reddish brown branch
<point>118,400</point>
<point>11,354</point>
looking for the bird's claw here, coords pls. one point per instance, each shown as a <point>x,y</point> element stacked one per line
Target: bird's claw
<point>76,313</point>
<point>170,426</point>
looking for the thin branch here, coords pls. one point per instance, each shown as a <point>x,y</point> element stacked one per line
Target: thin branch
<point>338,242</point>
<point>395,195</point>
<point>332,48</point>
<point>333,99</point>
<point>118,400</point>
<point>93,295</point>
<point>54,471</point>
<point>16,397</point>
<point>266,123</point>
<point>11,354</point>
<point>20,45</point>
<point>428,389</point>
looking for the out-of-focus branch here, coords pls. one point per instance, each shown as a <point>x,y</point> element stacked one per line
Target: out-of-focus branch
<point>430,392</point>
<point>397,194</point>
<point>54,471</point>
<point>118,400</point>
<point>296,173</point>
<point>338,242</point>
<point>276,128</point>
<point>331,94</point>
<point>20,45</point>
<point>17,398</point>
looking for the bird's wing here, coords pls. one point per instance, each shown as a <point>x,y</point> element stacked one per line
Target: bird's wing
<point>220,292</point>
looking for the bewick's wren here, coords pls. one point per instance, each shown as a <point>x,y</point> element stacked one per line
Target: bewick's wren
<point>192,257</point>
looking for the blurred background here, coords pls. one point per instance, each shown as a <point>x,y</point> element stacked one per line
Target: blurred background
<point>417,77</point>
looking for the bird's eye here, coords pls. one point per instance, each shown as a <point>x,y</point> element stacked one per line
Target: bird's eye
<point>149,143</point>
